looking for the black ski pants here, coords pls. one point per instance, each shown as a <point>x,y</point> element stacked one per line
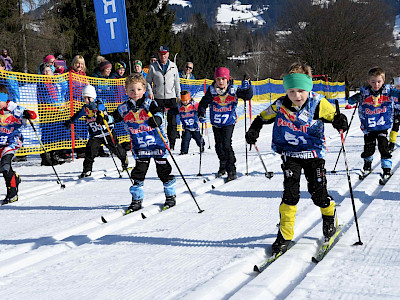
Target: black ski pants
<point>370,144</point>
<point>223,147</point>
<point>187,136</point>
<point>163,168</point>
<point>92,148</point>
<point>172,130</point>
<point>314,170</point>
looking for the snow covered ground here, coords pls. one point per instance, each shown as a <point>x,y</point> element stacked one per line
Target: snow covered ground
<point>54,245</point>
<point>235,12</point>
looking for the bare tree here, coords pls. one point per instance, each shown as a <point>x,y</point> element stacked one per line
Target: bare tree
<point>343,39</point>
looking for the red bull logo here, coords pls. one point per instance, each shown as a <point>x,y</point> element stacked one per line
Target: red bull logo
<point>376,100</point>
<point>90,113</point>
<point>138,117</point>
<point>185,109</point>
<point>224,100</point>
<point>9,119</point>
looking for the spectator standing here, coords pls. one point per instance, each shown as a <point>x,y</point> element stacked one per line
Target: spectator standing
<point>51,100</point>
<point>78,67</point>
<point>104,70</point>
<point>164,87</point>
<point>153,59</point>
<point>48,59</point>
<point>120,68</point>
<point>187,73</point>
<point>7,60</point>
<point>137,68</point>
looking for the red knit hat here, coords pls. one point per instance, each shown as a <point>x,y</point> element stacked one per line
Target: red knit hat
<point>222,72</point>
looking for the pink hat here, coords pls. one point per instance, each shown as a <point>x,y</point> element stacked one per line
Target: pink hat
<point>104,65</point>
<point>48,57</point>
<point>222,72</point>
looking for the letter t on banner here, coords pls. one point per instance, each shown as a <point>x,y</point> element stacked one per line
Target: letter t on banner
<point>111,26</point>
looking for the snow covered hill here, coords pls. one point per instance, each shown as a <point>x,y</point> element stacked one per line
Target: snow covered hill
<point>55,246</point>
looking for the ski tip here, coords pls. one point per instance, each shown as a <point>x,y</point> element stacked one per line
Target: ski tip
<point>103,220</point>
<point>143,216</point>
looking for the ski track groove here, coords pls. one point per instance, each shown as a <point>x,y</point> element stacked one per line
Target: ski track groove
<point>92,230</point>
<point>73,237</point>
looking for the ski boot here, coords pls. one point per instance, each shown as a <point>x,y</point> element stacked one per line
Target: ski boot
<point>280,245</point>
<point>170,201</point>
<point>85,174</point>
<point>387,173</point>
<point>329,226</point>
<point>221,173</point>
<point>134,206</point>
<point>367,169</point>
<point>231,176</point>
<point>12,192</point>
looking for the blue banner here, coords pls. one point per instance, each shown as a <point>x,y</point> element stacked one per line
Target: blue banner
<point>111,26</point>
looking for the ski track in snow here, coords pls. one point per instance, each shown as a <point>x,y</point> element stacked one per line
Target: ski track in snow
<point>54,244</point>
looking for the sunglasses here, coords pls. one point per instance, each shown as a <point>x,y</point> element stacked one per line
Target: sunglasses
<point>187,67</point>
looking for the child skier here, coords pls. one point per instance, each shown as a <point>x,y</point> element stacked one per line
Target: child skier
<point>95,111</point>
<point>396,118</point>
<point>222,97</point>
<point>187,108</point>
<point>12,118</point>
<point>143,121</point>
<point>298,135</point>
<point>376,115</point>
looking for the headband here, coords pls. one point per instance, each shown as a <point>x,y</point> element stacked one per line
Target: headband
<point>298,81</point>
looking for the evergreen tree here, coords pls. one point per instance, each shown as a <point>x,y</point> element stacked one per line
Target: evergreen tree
<point>149,26</point>
<point>200,45</point>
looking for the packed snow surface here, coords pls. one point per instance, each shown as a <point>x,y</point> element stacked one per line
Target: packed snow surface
<point>54,244</point>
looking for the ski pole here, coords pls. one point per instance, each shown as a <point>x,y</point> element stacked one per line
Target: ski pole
<point>208,137</point>
<point>179,170</point>
<point>351,120</point>
<point>348,179</point>
<point>115,145</point>
<point>201,147</point>
<point>269,175</point>
<point>44,149</point>
<point>245,130</point>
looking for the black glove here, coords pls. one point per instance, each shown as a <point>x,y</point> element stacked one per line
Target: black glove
<point>252,136</point>
<point>68,123</point>
<point>155,121</point>
<point>340,122</point>
<point>29,114</point>
<point>100,119</point>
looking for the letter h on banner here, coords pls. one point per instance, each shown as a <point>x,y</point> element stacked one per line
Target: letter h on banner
<point>111,26</point>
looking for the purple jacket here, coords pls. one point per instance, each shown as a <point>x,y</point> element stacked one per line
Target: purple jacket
<point>7,61</point>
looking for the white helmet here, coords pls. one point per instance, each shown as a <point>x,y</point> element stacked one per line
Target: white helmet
<point>89,91</point>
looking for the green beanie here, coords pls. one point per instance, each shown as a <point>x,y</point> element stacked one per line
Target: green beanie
<point>298,81</point>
